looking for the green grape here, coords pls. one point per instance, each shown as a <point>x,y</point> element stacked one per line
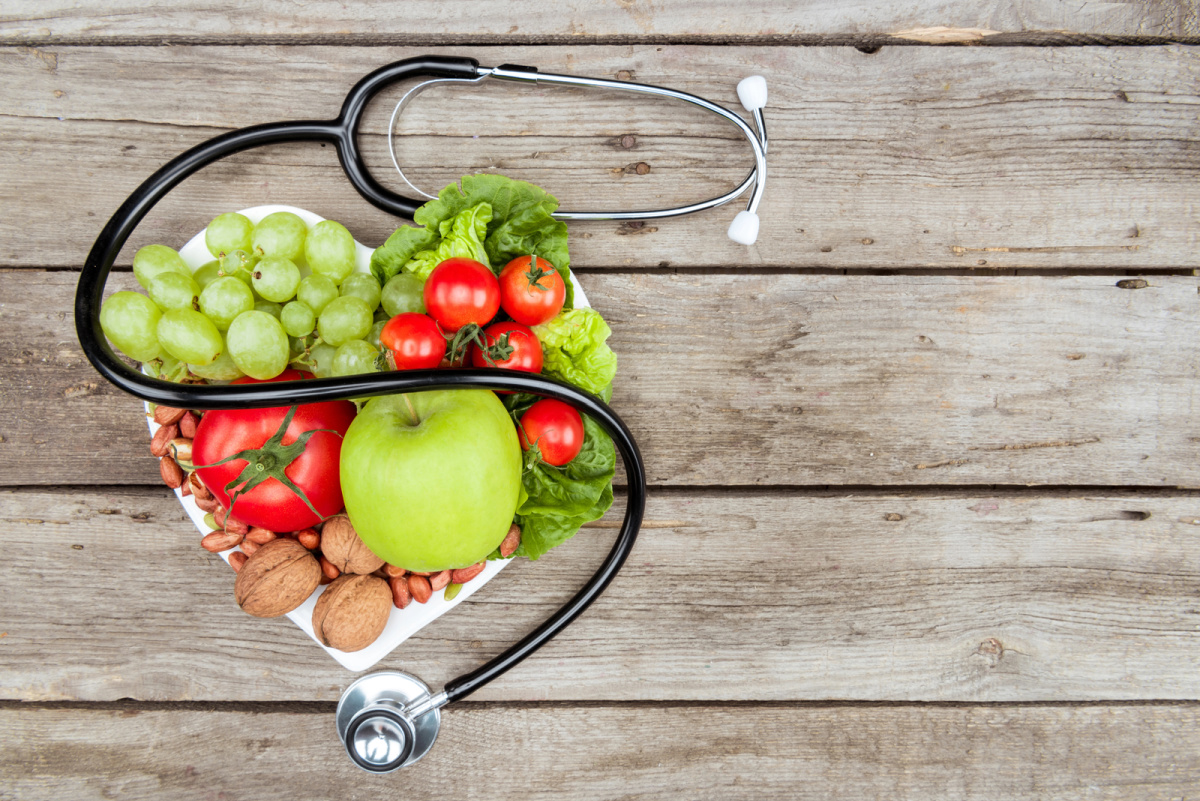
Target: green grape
<point>223,369</point>
<point>373,336</point>
<point>154,259</point>
<point>258,345</point>
<point>322,360</point>
<point>130,320</point>
<point>227,233</point>
<point>404,292</point>
<point>316,291</point>
<point>276,279</point>
<point>273,309</point>
<point>329,250</point>
<point>280,234</point>
<point>354,357</point>
<point>298,319</point>
<point>363,285</point>
<point>239,264</point>
<point>344,319</point>
<point>173,291</point>
<point>190,337</point>
<point>207,273</point>
<point>381,316</point>
<point>224,299</point>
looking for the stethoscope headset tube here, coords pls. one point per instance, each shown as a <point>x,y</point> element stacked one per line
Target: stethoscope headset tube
<point>415,714</point>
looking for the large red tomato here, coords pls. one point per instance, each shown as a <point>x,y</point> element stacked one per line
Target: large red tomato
<point>314,470</point>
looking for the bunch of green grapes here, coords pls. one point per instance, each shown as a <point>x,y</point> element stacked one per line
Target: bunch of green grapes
<point>276,293</point>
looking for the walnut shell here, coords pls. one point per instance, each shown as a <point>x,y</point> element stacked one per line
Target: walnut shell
<point>352,612</point>
<point>342,547</point>
<point>276,579</point>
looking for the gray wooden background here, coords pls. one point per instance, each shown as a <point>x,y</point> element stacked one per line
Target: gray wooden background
<point>923,519</point>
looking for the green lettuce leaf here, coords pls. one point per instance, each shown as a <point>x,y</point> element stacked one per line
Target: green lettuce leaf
<point>574,349</point>
<point>389,259</point>
<point>559,500</point>
<point>462,237</point>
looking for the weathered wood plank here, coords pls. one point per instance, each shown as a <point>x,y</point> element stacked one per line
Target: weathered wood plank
<point>581,22</point>
<point>745,379</point>
<point>727,596</point>
<point>1013,157</point>
<point>1097,752</point>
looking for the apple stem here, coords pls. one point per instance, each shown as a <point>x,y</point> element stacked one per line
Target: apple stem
<point>415,419</point>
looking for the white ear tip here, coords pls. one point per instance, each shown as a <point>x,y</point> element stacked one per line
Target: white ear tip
<point>752,92</point>
<point>744,228</point>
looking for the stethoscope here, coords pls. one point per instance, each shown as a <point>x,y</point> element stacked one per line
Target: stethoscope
<point>389,720</point>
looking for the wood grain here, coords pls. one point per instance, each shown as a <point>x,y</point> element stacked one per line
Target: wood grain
<point>618,752</point>
<point>996,158</point>
<point>582,22</point>
<point>735,596</point>
<point>744,379</point>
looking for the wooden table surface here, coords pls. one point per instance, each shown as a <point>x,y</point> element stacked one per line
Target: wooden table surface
<point>923,518</point>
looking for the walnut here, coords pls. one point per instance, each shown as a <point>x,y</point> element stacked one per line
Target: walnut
<point>352,612</point>
<point>276,579</point>
<point>342,547</point>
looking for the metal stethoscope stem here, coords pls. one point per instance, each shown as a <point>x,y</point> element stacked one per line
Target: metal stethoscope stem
<point>389,720</point>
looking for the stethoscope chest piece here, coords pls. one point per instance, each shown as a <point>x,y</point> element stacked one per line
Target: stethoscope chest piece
<point>376,724</point>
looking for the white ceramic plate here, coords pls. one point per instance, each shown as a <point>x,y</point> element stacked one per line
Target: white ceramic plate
<point>403,623</point>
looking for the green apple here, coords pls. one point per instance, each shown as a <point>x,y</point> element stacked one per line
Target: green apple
<point>431,479</point>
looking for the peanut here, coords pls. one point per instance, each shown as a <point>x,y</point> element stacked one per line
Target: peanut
<point>188,423</point>
<point>259,536</point>
<point>394,572</point>
<point>465,574</point>
<point>236,560</point>
<point>160,443</point>
<point>309,538</point>
<point>511,542</point>
<point>171,472</point>
<point>198,488</point>
<point>219,516</point>
<point>419,587</point>
<point>233,524</point>
<point>206,504</point>
<point>217,541</point>
<point>185,489</point>
<point>181,449</point>
<point>249,547</point>
<point>401,597</point>
<point>167,415</point>
<point>329,569</point>
<point>439,580</point>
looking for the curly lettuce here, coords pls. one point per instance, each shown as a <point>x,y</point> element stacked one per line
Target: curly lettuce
<point>575,349</point>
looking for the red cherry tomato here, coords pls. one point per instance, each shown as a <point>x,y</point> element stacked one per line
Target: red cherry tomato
<point>271,504</point>
<point>526,349</point>
<point>461,291</point>
<point>531,290</point>
<point>555,427</point>
<point>415,341</point>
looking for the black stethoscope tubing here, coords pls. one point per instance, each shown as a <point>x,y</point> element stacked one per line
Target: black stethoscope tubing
<point>343,133</point>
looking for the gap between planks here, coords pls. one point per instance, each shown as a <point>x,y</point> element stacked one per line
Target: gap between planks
<point>328,707</point>
<point>868,43</point>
